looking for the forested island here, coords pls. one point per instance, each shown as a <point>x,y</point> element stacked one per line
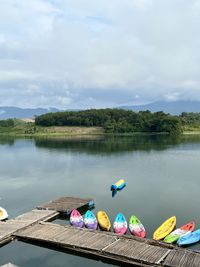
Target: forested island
<point>116,121</point>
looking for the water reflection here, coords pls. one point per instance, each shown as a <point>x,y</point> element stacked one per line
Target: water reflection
<point>39,254</point>
<point>115,144</point>
<point>162,175</point>
<point>86,256</point>
<point>115,192</point>
<point>109,145</point>
<point>4,140</point>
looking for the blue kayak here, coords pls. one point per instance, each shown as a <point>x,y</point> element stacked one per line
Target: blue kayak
<point>120,224</point>
<point>118,185</point>
<point>90,220</point>
<point>190,238</point>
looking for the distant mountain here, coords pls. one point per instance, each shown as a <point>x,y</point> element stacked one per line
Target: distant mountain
<point>21,113</point>
<point>175,107</point>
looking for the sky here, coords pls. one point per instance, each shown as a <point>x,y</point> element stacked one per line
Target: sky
<point>96,54</point>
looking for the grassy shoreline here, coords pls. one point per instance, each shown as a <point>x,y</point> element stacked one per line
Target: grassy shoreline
<point>30,129</point>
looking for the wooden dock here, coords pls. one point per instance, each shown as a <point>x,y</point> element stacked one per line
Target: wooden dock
<point>9,227</point>
<point>66,204</point>
<point>123,249</point>
<point>35,227</point>
<point>46,212</point>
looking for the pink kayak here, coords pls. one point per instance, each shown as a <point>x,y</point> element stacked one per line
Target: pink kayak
<point>76,219</point>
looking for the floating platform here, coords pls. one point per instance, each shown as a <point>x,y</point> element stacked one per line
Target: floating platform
<point>9,227</point>
<point>123,249</point>
<point>67,204</point>
<point>35,227</point>
<point>46,212</point>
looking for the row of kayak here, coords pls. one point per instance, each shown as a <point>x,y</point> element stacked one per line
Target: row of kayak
<point>120,226</point>
<point>183,235</point>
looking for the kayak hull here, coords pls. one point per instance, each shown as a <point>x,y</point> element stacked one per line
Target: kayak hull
<point>120,224</point>
<point>3,214</point>
<point>76,219</point>
<point>103,220</point>
<point>118,185</point>
<point>136,227</point>
<point>165,229</point>
<point>90,220</point>
<point>189,239</point>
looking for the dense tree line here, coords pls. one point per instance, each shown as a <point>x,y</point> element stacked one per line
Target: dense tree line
<point>190,119</point>
<point>114,120</point>
<point>7,123</point>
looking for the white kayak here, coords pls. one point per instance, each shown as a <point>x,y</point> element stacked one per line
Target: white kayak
<point>3,214</point>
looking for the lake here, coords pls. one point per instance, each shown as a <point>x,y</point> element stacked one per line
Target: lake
<point>162,176</point>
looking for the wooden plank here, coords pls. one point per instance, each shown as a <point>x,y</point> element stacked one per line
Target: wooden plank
<point>9,227</point>
<point>37,215</point>
<point>182,258</point>
<point>67,235</point>
<point>138,251</point>
<point>101,243</point>
<point>66,204</point>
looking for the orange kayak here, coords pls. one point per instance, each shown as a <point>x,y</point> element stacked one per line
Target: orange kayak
<point>188,227</point>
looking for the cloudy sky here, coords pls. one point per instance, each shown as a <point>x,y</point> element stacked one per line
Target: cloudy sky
<point>102,53</point>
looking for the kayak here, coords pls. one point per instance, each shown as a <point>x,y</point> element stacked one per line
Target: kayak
<point>165,229</point>
<point>3,214</point>
<point>118,185</point>
<point>181,231</point>
<point>76,219</point>
<point>190,238</point>
<point>103,220</point>
<point>136,227</point>
<point>90,220</point>
<point>120,224</point>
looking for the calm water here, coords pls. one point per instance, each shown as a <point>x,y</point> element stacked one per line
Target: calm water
<point>162,175</point>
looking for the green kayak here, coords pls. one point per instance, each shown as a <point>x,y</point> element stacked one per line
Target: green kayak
<point>136,227</point>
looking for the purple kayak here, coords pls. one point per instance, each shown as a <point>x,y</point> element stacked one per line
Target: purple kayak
<point>76,219</point>
<point>90,220</point>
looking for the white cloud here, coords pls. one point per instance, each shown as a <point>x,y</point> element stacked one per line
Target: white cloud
<point>85,53</point>
<point>172,97</point>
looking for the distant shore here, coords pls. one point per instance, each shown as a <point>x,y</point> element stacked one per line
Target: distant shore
<point>30,129</point>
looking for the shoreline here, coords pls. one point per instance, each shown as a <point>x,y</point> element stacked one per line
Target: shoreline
<point>29,129</point>
<point>89,131</point>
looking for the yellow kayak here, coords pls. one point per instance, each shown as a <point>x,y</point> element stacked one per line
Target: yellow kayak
<point>166,228</point>
<point>103,220</point>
